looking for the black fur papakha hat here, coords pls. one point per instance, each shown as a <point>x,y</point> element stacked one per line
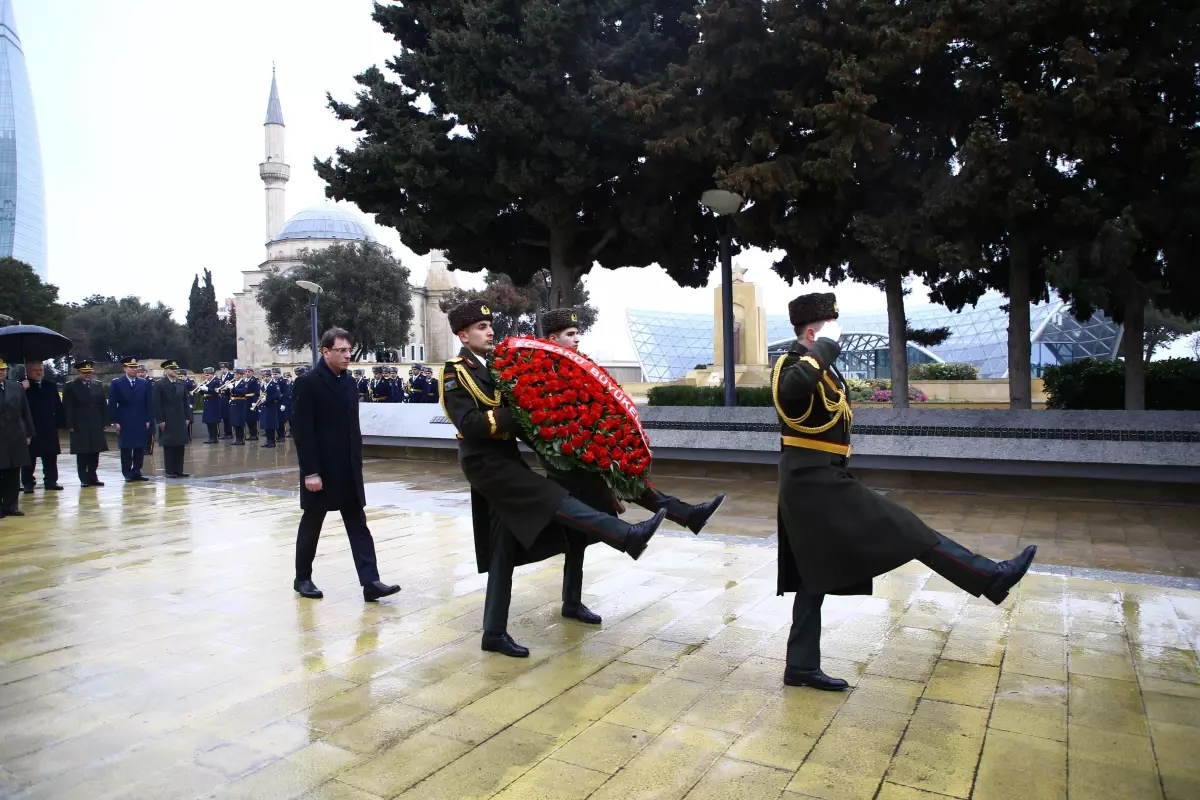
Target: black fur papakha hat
<point>815,307</point>
<point>467,314</point>
<point>559,319</point>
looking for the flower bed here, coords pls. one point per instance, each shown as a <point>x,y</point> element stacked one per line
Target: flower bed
<point>573,413</point>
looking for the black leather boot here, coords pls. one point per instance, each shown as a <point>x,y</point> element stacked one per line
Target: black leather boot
<point>308,589</point>
<point>581,612</point>
<point>377,589</point>
<point>1009,575</point>
<point>503,644</point>
<point>793,676</point>
<point>698,516</point>
<point>613,531</point>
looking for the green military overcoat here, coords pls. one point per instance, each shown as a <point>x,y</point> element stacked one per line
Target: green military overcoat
<point>835,534</point>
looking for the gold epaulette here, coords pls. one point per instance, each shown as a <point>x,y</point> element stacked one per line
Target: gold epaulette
<point>455,360</point>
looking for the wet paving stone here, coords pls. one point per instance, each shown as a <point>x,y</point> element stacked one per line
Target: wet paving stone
<point>151,647</point>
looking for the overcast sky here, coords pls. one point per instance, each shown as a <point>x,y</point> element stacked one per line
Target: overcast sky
<point>150,116</point>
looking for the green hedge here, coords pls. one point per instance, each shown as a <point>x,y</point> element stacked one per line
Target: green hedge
<point>943,372</point>
<point>749,396</point>
<point>1171,385</point>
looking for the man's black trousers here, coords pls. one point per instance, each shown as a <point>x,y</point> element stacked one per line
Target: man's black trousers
<point>362,546</point>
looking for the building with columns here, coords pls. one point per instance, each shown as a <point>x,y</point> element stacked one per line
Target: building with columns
<point>315,228</point>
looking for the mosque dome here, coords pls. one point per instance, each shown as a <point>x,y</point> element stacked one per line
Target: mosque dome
<point>324,222</point>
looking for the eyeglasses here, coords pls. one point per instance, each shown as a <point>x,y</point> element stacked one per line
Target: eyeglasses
<point>343,350</point>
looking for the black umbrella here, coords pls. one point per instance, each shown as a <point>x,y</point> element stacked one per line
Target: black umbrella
<point>20,344</point>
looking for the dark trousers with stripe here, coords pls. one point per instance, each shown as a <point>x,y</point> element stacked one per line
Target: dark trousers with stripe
<point>968,571</point>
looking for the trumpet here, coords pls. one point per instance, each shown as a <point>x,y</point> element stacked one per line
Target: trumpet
<point>227,385</point>
<point>261,397</point>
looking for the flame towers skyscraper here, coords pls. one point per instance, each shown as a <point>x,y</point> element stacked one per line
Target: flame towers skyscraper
<point>22,194</point>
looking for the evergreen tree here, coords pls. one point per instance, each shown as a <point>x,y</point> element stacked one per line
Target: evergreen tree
<point>206,332</point>
<point>364,290</point>
<point>26,298</point>
<point>517,163</point>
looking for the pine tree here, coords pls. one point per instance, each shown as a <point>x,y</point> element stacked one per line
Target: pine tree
<point>518,163</point>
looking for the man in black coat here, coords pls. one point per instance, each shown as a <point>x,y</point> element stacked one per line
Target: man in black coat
<point>86,410</point>
<point>329,446</point>
<point>46,407</point>
<point>16,432</point>
<point>173,412</point>
<point>519,517</point>
<point>835,534</point>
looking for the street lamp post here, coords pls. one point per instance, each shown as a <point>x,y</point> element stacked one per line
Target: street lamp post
<point>315,291</point>
<point>725,204</point>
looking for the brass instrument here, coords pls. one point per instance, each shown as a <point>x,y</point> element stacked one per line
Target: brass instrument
<point>262,396</point>
<point>227,386</point>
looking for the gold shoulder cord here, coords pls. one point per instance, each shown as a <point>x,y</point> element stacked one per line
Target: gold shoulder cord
<point>836,408</point>
<point>476,392</point>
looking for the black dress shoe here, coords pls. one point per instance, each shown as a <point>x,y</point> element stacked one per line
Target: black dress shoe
<point>97,483</point>
<point>698,516</point>
<point>814,678</point>
<point>308,589</point>
<point>27,491</point>
<point>141,479</point>
<point>53,487</point>
<point>639,534</point>
<point>581,612</point>
<point>503,644</point>
<point>377,589</point>
<point>1009,574</point>
<point>13,512</point>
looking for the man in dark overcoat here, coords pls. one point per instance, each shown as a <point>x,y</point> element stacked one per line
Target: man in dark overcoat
<point>46,407</point>
<point>329,446</point>
<point>518,516</point>
<point>86,412</point>
<point>132,413</point>
<point>173,412</point>
<point>836,534</point>
<point>561,326</point>
<point>16,432</point>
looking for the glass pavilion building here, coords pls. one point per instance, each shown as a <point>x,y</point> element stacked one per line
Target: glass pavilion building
<point>22,198</point>
<point>668,344</point>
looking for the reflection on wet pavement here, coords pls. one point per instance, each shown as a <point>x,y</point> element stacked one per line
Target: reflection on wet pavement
<point>151,647</point>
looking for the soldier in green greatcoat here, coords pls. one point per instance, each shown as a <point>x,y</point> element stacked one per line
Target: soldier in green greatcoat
<point>835,534</point>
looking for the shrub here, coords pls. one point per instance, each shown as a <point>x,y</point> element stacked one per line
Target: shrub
<point>749,396</point>
<point>1095,385</point>
<point>915,395</point>
<point>944,372</point>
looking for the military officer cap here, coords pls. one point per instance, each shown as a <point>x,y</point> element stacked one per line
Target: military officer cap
<point>239,371</point>
<point>142,367</point>
<point>3,364</point>
<point>265,371</point>
<point>465,315</point>
<point>209,370</point>
<point>377,370</point>
<point>559,319</point>
<point>301,370</point>
<point>815,307</point>
<point>358,372</point>
<point>170,364</point>
<point>225,365</point>
<point>276,372</point>
<point>86,365</point>
<point>129,362</point>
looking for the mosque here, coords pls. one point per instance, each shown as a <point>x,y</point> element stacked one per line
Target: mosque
<point>316,228</point>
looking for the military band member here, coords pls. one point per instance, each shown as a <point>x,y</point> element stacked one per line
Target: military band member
<point>431,386</point>
<point>131,409</point>
<point>86,411</point>
<point>237,406</point>
<point>269,410</point>
<point>285,405</point>
<point>173,412</point>
<point>253,389</point>
<point>361,383</point>
<point>835,534</point>
<point>519,517</point>
<point>210,413</point>
<point>224,376</point>
<point>561,326</point>
<point>414,387</point>
<point>284,401</point>
<point>377,388</point>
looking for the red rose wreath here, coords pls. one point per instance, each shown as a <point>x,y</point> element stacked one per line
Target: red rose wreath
<point>573,412</point>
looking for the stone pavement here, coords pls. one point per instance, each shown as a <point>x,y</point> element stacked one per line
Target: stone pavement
<point>151,647</point>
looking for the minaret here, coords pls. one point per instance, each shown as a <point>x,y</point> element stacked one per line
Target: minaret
<point>274,171</point>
